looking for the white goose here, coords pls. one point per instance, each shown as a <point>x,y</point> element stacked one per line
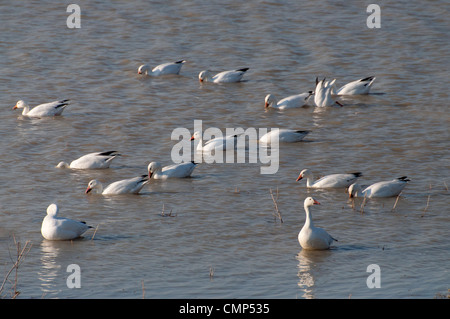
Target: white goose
<point>216,144</point>
<point>322,93</point>
<point>358,87</point>
<point>380,189</point>
<point>222,77</point>
<point>283,136</point>
<point>126,186</point>
<point>91,161</point>
<point>54,108</point>
<point>60,228</point>
<point>329,181</point>
<point>311,237</point>
<point>156,171</point>
<point>162,69</point>
<point>289,102</point>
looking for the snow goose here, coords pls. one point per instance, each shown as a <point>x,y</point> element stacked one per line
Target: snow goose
<point>181,170</point>
<point>380,189</point>
<point>162,69</point>
<point>322,93</point>
<point>54,108</point>
<point>222,77</point>
<point>358,87</point>
<point>283,136</point>
<point>289,102</point>
<point>329,181</point>
<point>91,161</point>
<point>126,186</point>
<point>311,237</point>
<point>216,144</point>
<point>60,228</point>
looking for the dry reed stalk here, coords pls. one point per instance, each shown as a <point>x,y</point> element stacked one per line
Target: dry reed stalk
<point>275,203</point>
<point>163,214</point>
<point>363,204</point>
<point>395,204</point>
<point>211,273</point>
<point>95,232</point>
<point>20,255</point>
<point>428,201</point>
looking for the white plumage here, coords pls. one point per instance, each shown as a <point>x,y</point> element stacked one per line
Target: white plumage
<point>54,108</point>
<point>126,186</point>
<point>222,77</point>
<point>289,102</point>
<point>380,189</point>
<point>60,228</point>
<point>97,160</point>
<point>341,180</point>
<point>358,87</point>
<point>215,144</point>
<point>311,237</point>
<point>162,69</point>
<point>322,93</point>
<point>156,171</point>
<point>283,136</point>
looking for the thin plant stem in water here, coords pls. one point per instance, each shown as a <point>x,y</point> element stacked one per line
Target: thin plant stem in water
<point>277,213</point>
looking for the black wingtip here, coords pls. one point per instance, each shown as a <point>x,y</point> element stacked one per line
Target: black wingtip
<point>358,174</point>
<point>181,61</point>
<point>109,153</point>
<point>404,179</point>
<point>369,78</point>
<point>243,69</point>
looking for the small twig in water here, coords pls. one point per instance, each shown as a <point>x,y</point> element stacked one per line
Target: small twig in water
<point>163,213</point>
<point>363,204</point>
<point>95,232</point>
<point>428,201</point>
<point>275,203</point>
<point>211,273</point>
<point>395,204</point>
<point>21,253</point>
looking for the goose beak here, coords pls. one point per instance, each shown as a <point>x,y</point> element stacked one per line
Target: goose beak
<point>88,190</point>
<point>316,202</point>
<point>299,177</point>
<point>150,174</point>
<point>15,107</point>
<point>340,104</point>
<point>192,138</point>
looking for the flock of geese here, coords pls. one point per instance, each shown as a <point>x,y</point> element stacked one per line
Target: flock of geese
<point>310,237</point>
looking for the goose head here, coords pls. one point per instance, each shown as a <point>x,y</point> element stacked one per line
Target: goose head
<point>94,186</point>
<point>20,105</point>
<point>143,69</point>
<point>269,100</point>
<point>204,75</point>
<point>152,168</point>
<point>309,201</point>
<point>52,210</point>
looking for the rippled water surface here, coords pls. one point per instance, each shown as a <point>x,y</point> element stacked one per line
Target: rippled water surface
<point>215,235</point>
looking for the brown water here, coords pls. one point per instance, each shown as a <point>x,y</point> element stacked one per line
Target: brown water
<point>222,218</point>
